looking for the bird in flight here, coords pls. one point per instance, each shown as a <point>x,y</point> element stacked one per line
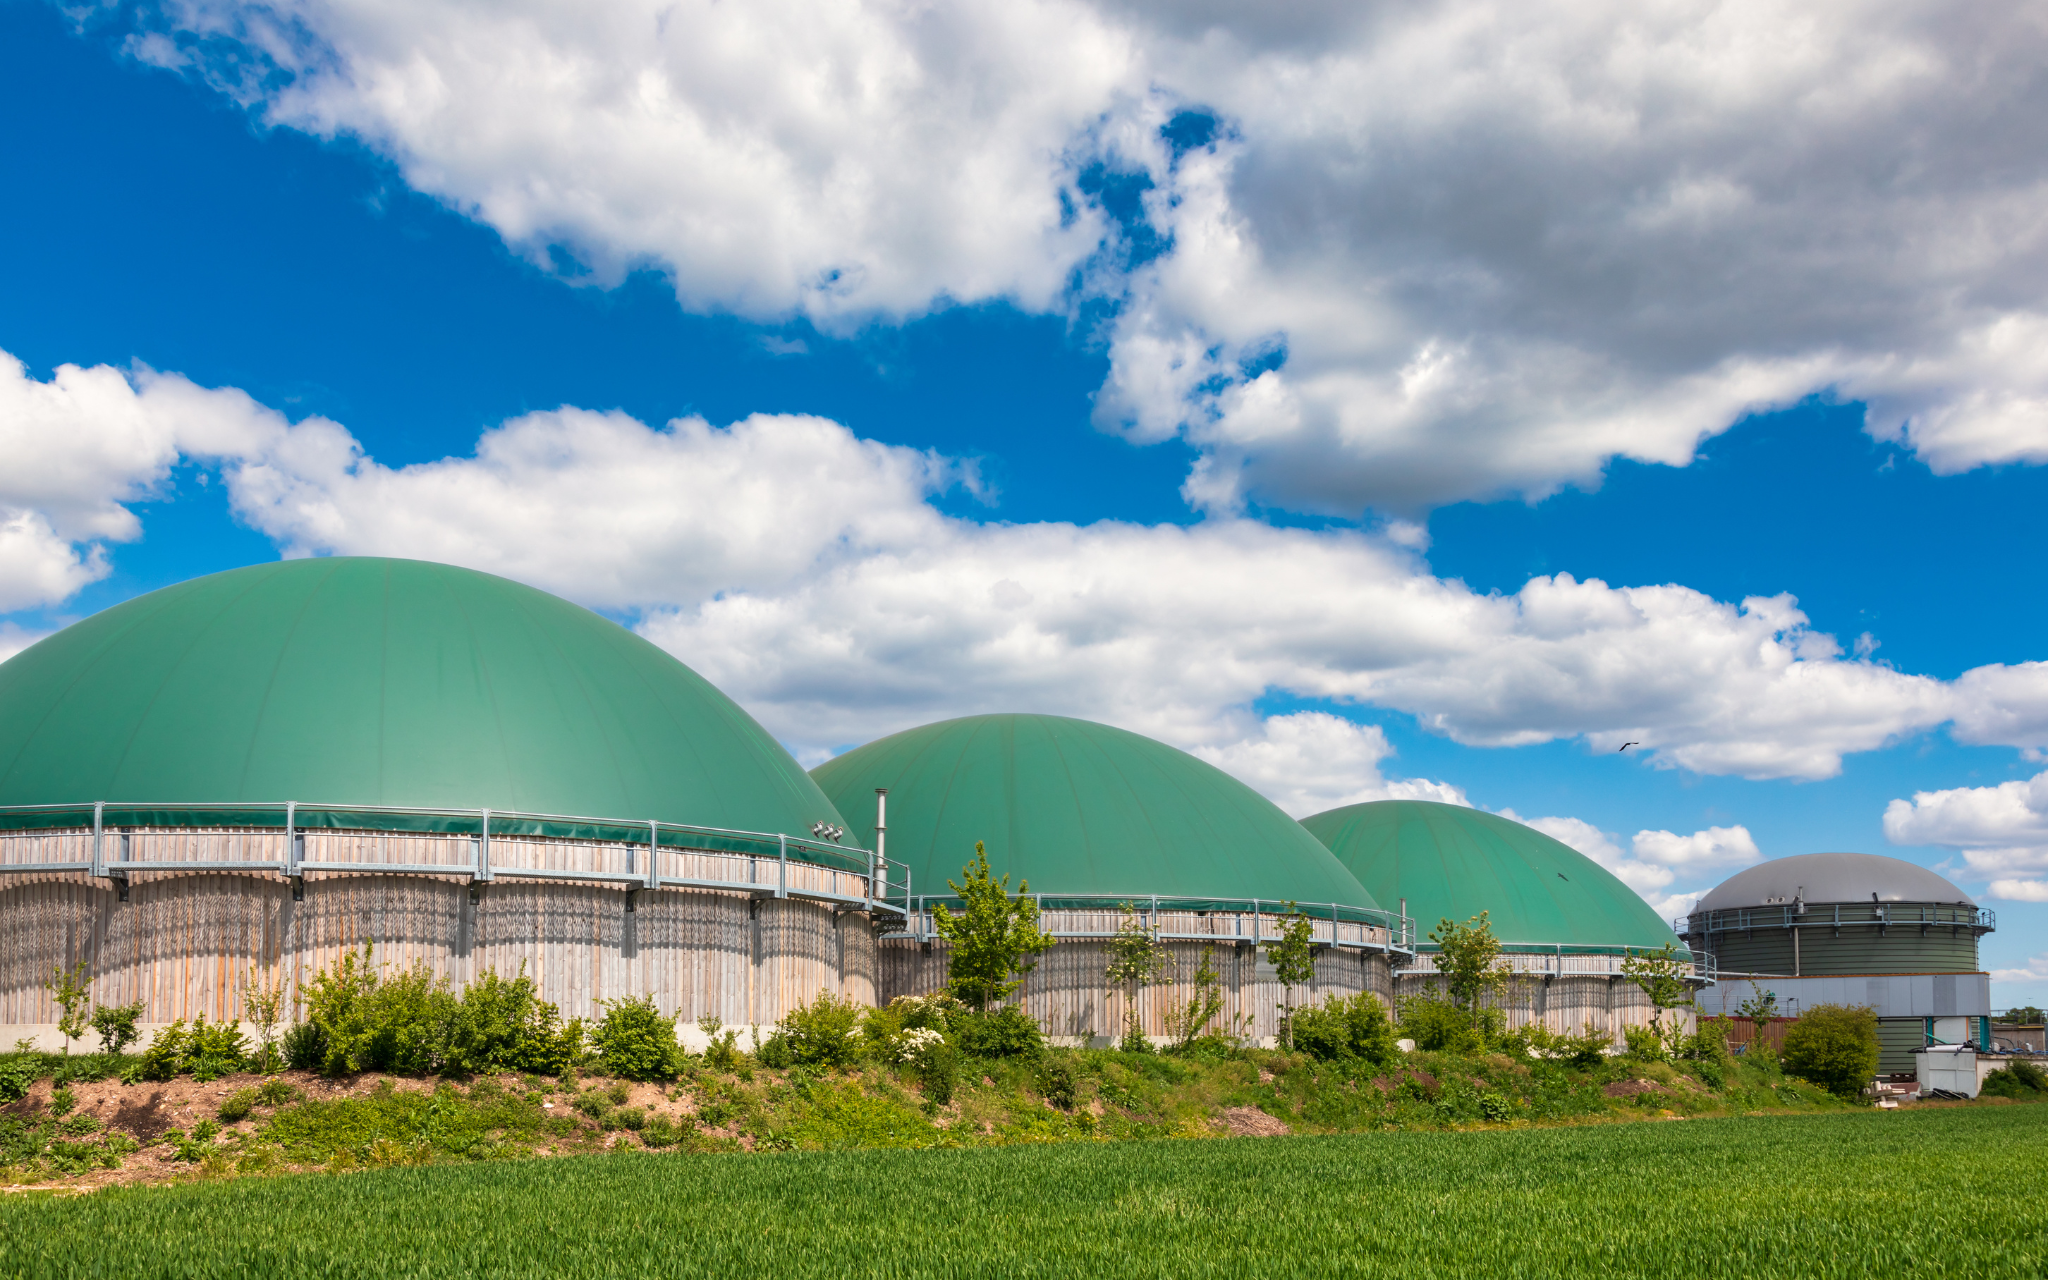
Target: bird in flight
<point>1626,745</point>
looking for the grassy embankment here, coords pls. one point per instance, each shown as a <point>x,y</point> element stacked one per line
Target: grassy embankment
<point>1952,1192</point>
<point>233,1126</point>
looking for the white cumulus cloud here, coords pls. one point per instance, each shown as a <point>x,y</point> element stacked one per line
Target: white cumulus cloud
<point>806,571</point>
<point>1656,860</point>
<point>2001,831</point>
<point>1425,252</point>
<point>1311,761</point>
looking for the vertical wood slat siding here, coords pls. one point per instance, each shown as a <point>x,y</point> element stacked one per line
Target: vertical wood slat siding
<point>189,942</point>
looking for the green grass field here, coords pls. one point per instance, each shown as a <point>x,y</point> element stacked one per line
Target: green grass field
<point>1938,1193</point>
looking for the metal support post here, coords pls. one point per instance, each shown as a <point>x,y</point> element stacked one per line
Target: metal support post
<point>782,869</point>
<point>653,855</point>
<point>483,848</point>
<point>99,861</point>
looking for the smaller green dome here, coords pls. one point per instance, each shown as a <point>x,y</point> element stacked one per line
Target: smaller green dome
<point>1451,861</point>
<point>1081,811</point>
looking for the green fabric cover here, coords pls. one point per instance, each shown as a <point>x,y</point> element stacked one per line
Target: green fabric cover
<point>363,681</point>
<point>1081,811</point>
<point>1451,861</point>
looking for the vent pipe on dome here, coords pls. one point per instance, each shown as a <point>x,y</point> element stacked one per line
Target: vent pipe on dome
<point>881,868</point>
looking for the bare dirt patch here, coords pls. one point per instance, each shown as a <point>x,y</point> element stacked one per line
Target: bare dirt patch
<point>1250,1122</point>
<point>1630,1088</point>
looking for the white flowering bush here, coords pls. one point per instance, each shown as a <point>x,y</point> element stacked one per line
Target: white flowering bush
<point>916,1043</point>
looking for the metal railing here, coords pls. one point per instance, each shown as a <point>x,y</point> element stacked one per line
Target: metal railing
<point>115,827</point>
<point>1835,915</point>
<point>1253,921</point>
<point>1549,959</point>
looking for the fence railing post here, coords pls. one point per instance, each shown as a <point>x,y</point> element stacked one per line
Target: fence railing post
<point>99,859</point>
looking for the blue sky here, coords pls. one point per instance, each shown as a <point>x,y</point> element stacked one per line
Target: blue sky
<point>1230,445</point>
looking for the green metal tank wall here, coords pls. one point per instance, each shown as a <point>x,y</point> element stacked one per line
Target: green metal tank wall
<point>384,682</point>
<point>1080,810</point>
<point>1451,862</point>
<point>1859,949</point>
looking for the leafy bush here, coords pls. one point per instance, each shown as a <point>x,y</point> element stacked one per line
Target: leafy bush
<point>1437,1025</point>
<point>1346,1027</point>
<point>238,1105</point>
<point>1059,1084</point>
<point>2022,1081</point>
<point>16,1076</point>
<point>276,1093</point>
<point>722,1054</point>
<point>663,1132</point>
<point>1588,1049</point>
<point>304,1047</point>
<point>818,1034</point>
<point>1644,1044</point>
<point>62,1101</point>
<point>165,1056</point>
<point>1833,1046</point>
<point>502,1024</point>
<point>1005,1031</point>
<point>633,1118</point>
<point>117,1025</point>
<point>635,1041</point>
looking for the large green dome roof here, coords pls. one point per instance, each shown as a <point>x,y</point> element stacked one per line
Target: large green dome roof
<point>1081,810</point>
<point>384,682</point>
<point>1451,861</point>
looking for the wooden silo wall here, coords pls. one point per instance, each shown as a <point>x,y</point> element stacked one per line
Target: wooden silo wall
<point>187,944</point>
<point>1566,1003</point>
<point>1067,995</point>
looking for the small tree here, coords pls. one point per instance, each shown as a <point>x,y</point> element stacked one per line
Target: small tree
<point>116,1025</point>
<point>1185,1021</point>
<point>1135,959</point>
<point>69,987</point>
<point>2025,1016</point>
<point>1663,977</point>
<point>263,1004</point>
<point>1468,957</point>
<point>1835,1047</point>
<point>1759,1009</point>
<point>1294,962</point>
<point>993,939</point>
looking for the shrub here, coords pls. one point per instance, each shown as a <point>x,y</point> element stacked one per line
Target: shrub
<point>63,1101</point>
<point>165,1056</point>
<point>1833,1046</point>
<point>304,1047</point>
<point>633,1118</point>
<point>722,1054</point>
<point>635,1041</point>
<point>502,1024</point>
<point>276,1093</point>
<point>1002,1032</point>
<point>116,1025</point>
<point>214,1049</point>
<point>818,1034</point>
<point>593,1104</point>
<point>16,1077</point>
<point>663,1132</point>
<point>2022,1081</point>
<point>1644,1044</point>
<point>1436,1024</point>
<point>938,1071</point>
<point>1059,1084</point>
<point>1346,1027</point>
<point>238,1105</point>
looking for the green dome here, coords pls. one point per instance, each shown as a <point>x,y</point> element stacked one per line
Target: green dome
<point>1081,810</point>
<point>1451,861</point>
<point>384,682</point>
